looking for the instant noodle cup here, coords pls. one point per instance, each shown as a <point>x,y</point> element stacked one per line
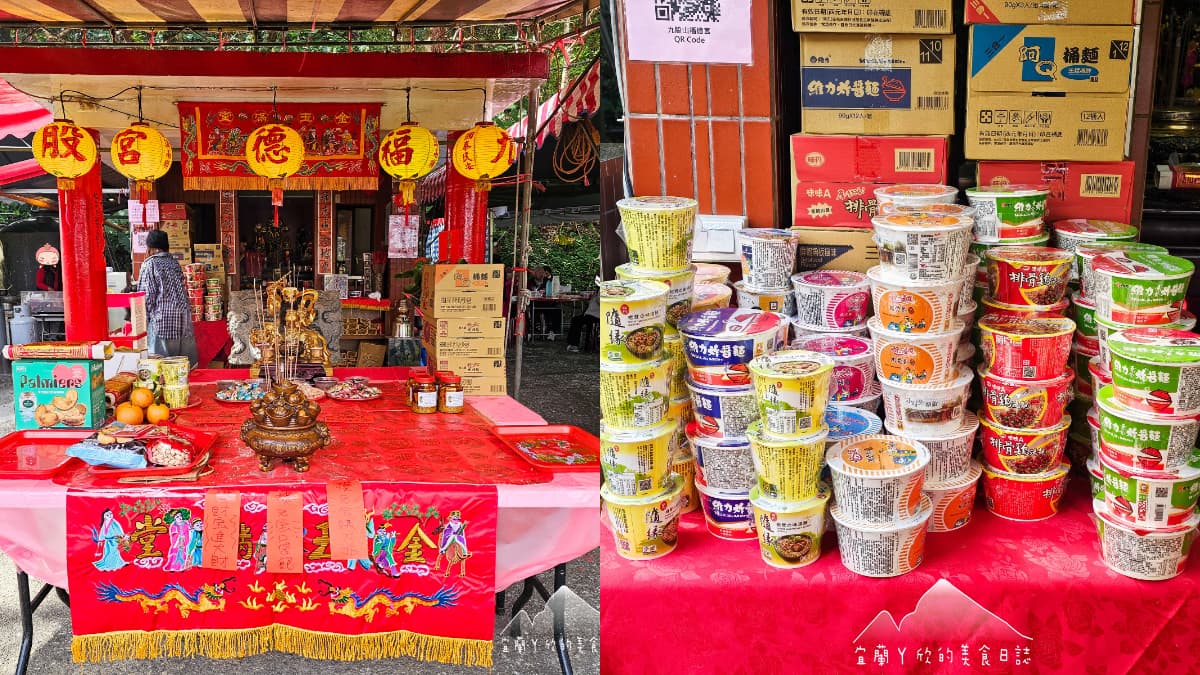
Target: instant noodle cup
<point>922,248</point>
<point>970,275</point>
<point>1024,496</point>
<point>719,344</point>
<point>1156,370</point>
<point>1025,349</point>
<point>723,463</point>
<point>1004,212</point>
<point>1101,377</point>
<point>1025,404</point>
<point>1028,275</point>
<point>1096,476</point>
<point>800,331</point>
<point>1083,313</point>
<point>1100,345</point>
<point>789,533</point>
<point>1145,441</point>
<point>914,195</point>
<point>633,318</point>
<point>1142,553</point>
<point>680,414</point>
<point>933,210</point>
<point>882,550</point>
<point>659,231</point>
<point>789,469</point>
<point>1058,309</point>
<point>706,296</point>
<point>877,479</point>
<point>869,401</point>
<point>645,527</point>
<point>793,390</point>
<point>768,257</point>
<point>1143,289</point>
<point>949,452</point>
<point>780,301</point>
<point>1085,253</point>
<point>853,363</point>
<point>926,409</point>
<point>727,514</point>
<point>174,371</point>
<point>679,293</point>
<point>1023,451</point>
<point>635,396</point>
<point>966,316</point>
<point>673,349</point>
<point>723,412</point>
<point>831,299</point>
<point>1150,498</point>
<point>914,307</point>
<point>964,357</point>
<point>923,358</point>
<point>636,463</point>
<point>689,499</point>
<point>710,273</point>
<point>176,396</point>
<point>1082,354</point>
<point>980,248</point>
<point>843,422</point>
<point>1069,234</point>
<point>954,500</point>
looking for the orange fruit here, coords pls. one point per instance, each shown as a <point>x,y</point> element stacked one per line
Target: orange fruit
<point>158,413</point>
<point>141,397</point>
<point>129,413</point>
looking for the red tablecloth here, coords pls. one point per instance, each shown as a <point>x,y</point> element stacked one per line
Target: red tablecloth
<point>212,340</point>
<point>713,606</point>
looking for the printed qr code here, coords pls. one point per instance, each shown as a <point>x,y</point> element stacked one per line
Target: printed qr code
<point>706,11</point>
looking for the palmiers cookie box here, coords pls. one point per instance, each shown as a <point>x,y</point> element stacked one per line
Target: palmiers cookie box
<point>67,394</point>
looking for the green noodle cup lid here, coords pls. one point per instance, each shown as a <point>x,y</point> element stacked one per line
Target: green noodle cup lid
<point>632,290</point>
<point>1008,191</point>
<point>792,364</point>
<point>673,490</point>
<point>1095,248</point>
<point>657,203</point>
<point>1086,228</point>
<point>1145,265</point>
<point>1160,346</point>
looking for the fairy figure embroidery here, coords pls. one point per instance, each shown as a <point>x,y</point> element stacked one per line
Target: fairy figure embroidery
<point>179,528</point>
<point>260,552</point>
<point>109,538</point>
<point>382,552</point>
<point>365,563</point>
<point>453,544</point>
<point>195,547</point>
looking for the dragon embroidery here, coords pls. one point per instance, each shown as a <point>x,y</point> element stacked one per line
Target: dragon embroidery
<point>207,598</point>
<point>346,602</point>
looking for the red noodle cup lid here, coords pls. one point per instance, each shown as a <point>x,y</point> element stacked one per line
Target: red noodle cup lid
<point>831,278</point>
<point>1056,309</point>
<point>1027,327</point>
<point>1024,255</point>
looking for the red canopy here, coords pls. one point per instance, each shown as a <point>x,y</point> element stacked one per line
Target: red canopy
<point>19,117</point>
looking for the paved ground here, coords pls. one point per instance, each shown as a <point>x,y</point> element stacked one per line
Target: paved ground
<point>560,386</point>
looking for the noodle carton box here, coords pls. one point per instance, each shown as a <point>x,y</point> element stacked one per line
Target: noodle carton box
<point>454,278</point>
<point>868,159</point>
<point>485,386</point>
<point>1051,59</point>
<point>58,394</point>
<point>844,247</point>
<point>872,16</point>
<point>465,347</point>
<point>1073,127</point>
<point>472,327</point>
<point>1094,12</point>
<point>467,366</point>
<point>877,84</point>
<point>441,304</point>
<point>1100,190</point>
<point>823,203</point>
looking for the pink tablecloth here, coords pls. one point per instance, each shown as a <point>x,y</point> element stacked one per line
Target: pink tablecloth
<point>1025,597</point>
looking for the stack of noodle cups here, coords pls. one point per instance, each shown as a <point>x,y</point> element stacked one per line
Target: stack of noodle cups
<point>830,303</point>
<point>787,442</point>
<point>768,258</point>
<point>923,307</point>
<point>1146,422</point>
<point>643,403</point>
<point>719,345</point>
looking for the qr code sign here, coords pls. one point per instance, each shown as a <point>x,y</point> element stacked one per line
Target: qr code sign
<point>707,11</point>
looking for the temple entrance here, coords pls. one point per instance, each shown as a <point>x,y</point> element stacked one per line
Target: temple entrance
<point>269,252</point>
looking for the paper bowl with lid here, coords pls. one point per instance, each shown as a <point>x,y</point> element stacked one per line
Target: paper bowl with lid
<point>788,469</point>
<point>723,463</point>
<point>1029,349</point>
<point>789,533</point>
<point>914,195</point>
<point>949,452</point>
<point>1028,275</point>
<point>799,330</point>
<point>1026,404</point>
<point>877,479</point>
<point>914,306</point>
<point>728,514</point>
<point>1150,498</point>
<point>723,412</point>
<point>1144,553</point>
<point>636,395</point>
<point>853,363</point>
<point>636,462</point>
<point>644,527</point>
<point>882,550</point>
<point>831,299</point>
<point>843,422</point>
<point>768,257</point>
<point>1004,212</point>
<point>793,389</point>
<point>633,316</point>
<point>659,231</point>
<point>922,248</point>
<point>1023,451</point>
<point>780,300</point>
<point>1144,440</point>
<point>679,293</point>
<point>953,500</point>
<point>1069,234</point>
<point>922,358</point>
<point>1086,252</point>
<point>719,344</point>
<point>707,296</point>
<point>710,273</point>
<point>933,210</point>
<point>1024,496</point>
<point>927,409</point>
<point>1156,370</point>
<point>1142,289</point>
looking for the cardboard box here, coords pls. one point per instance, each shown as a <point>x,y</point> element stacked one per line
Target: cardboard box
<point>461,303</point>
<point>825,204</point>
<point>872,16</point>
<point>485,386</point>
<point>1040,58</point>
<point>877,84</point>
<point>467,365</point>
<point>213,257</point>
<point>466,347</point>
<point>136,304</point>
<point>1077,127</point>
<point>172,211</point>
<point>471,327</point>
<point>869,159</point>
<point>1100,190</point>
<point>1178,176</point>
<point>1095,12</point>
<point>463,278</point>
<point>846,247</point>
<point>40,394</point>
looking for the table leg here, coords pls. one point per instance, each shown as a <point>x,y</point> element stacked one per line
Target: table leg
<point>531,584</point>
<point>27,607</point>
<point>500,602</point>
<point>560,622</point>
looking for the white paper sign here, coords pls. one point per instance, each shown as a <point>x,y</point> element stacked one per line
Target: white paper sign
<point>402,236</point>
<point>139,240</point>
<point>135,211</point>
<point>689,31</point>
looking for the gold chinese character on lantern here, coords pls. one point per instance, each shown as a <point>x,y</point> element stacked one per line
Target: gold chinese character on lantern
<point>64,151</point>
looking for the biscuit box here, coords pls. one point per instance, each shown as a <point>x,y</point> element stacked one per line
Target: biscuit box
<point>58,394</point>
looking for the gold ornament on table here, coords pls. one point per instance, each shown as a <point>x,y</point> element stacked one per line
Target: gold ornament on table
<point>287,321</point>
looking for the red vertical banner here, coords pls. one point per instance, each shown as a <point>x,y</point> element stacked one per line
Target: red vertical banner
<point>466,217</point>
<point>325,238</point>
<point>81,225</point>
<point>231,245</point>
<point>222,520</point>
<point>285,532</point>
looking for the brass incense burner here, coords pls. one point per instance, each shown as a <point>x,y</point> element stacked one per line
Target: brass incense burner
<point>287,331</point>
<point>283,425</point>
